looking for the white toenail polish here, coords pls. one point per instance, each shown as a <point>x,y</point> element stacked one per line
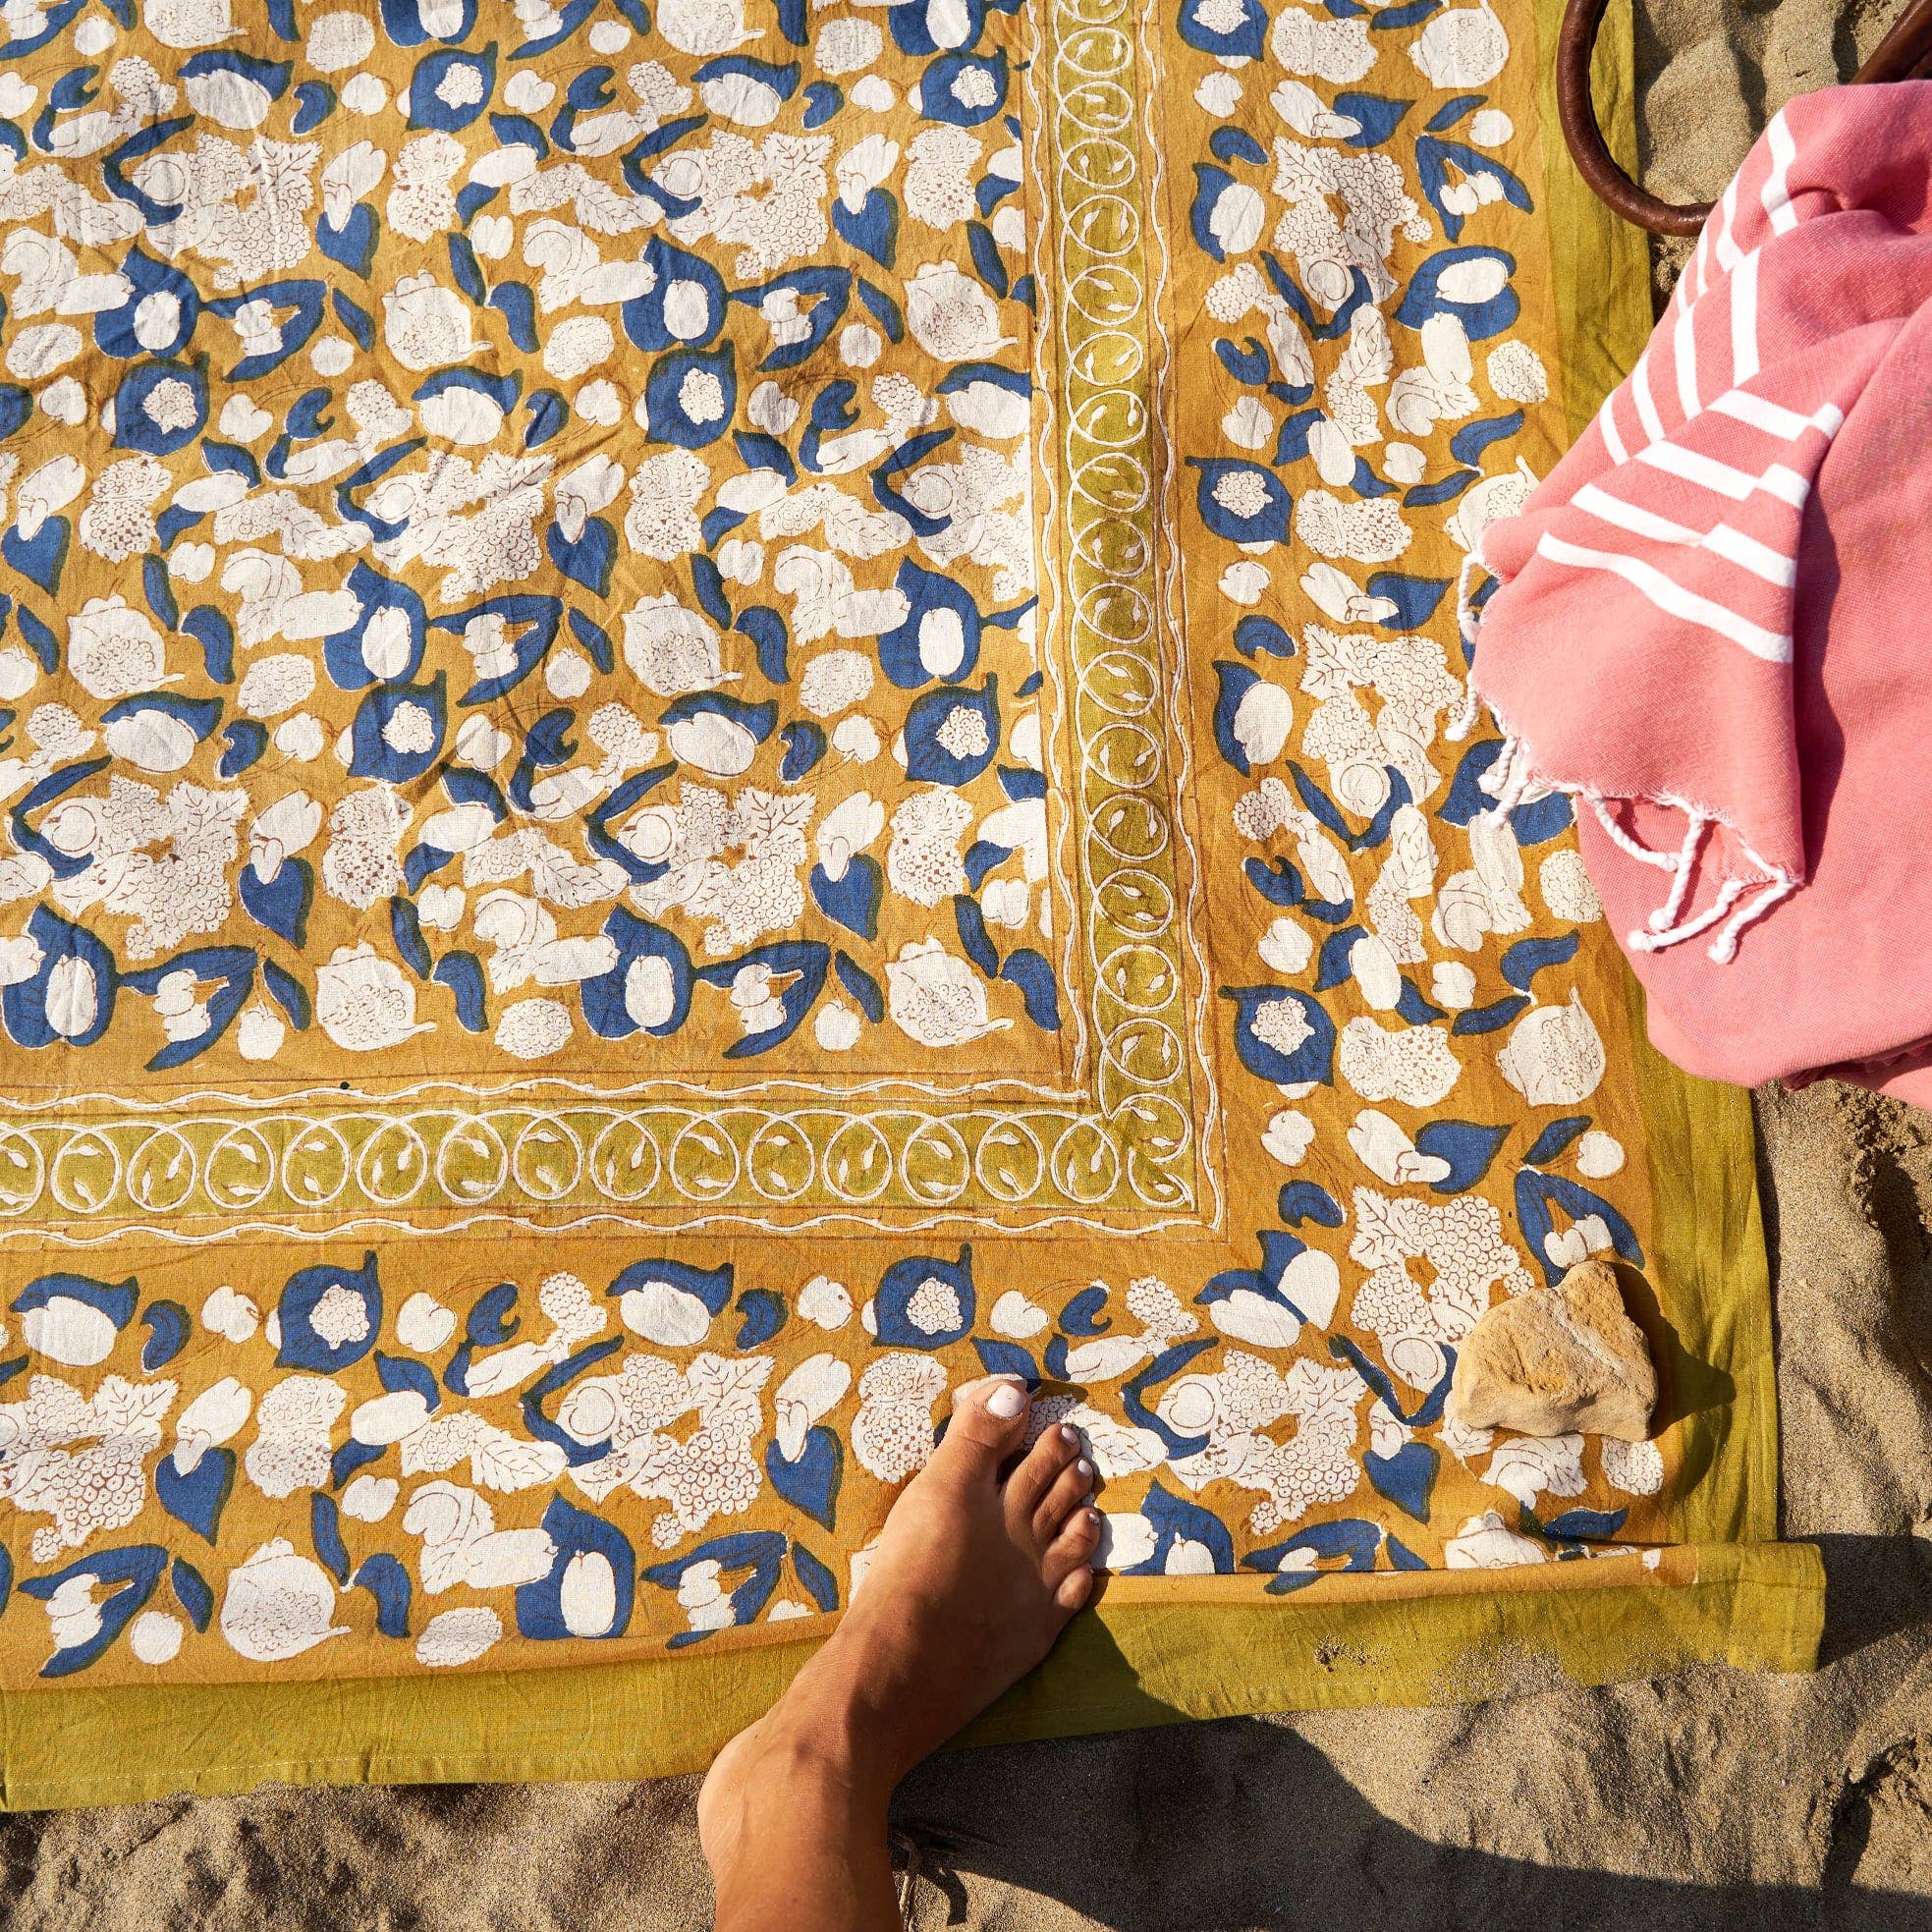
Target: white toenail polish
<point>1005,1402</point>
<point>1069,1435</point>
<point>1085,1469</point>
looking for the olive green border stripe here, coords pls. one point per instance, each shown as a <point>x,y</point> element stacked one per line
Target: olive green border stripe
<point>1707,1239</point>
<point>1601,264</point>
<point>1755,1606</point>
<point>1707,1233</point>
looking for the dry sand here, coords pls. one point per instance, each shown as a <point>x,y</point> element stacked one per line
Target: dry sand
<point>1705,1799</point>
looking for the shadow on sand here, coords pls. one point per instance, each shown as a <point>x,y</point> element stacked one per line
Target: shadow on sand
<point>1200,1827</point>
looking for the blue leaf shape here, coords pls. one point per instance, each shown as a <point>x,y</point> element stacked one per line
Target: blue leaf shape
<point>1308,1200</point>
<point>769,639</point>
<point>1081,1316</point>
<point>1585,1526</point>
<point>589,559</point>
<point>1007,1359</point>
<point>811,1484</point>
<point>1278,884</point>
<point>1453,111</point>
<point>1332,968</point>
<point>1379,115</point>
<point>406,928</point>
<point>385,1580</point>
<point>1553,1138</point>
<point>1541,819</point>
<point>1523,960</point>
<point>1031,973</point>
<point>463,975</point>
<point>246,744</point>
<point>1467,1147</point>
<point>325,1528</point>
<point>1470,442</point>
<point>1467,799</point>
<point>400,1374</point>
<point>1413,1007</point>
<point>1406,1479</point>
<point>1444,489</point>
<point>819,1582</point>
<point>349,1457</point>
<point>41,557</point>
<point>1414,598</point>
<point>805,746</point>
<point>853,901</point>
<point>192,1593</point>
<point>1263,633</point>
<point>972,923</point>
<point>860,985</point>
<point>281,903</point>
<point>1488,1018</point>
<point>490,1324</point>
<point>763,1316</point>
<point>197,1498</point>
<point>170,1325</point>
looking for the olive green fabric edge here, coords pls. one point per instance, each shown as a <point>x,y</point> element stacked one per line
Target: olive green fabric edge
<point>1601,264</point>
<point>1707,1230</point>
<point>1754,1606</point>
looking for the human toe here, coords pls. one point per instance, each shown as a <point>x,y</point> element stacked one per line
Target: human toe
<point>988,1423</point>
<point>1073,1588</point>
<point>1072,1550</point>
<point>1040,1468</point>
<point>1070,1488</point>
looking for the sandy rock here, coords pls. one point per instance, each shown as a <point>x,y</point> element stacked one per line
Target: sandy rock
<point>1558,1360</point>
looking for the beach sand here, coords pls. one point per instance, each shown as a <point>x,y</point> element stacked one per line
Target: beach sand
<point>1704,1800</point>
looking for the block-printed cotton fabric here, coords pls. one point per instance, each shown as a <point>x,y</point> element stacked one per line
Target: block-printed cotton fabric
<point>717,714</point>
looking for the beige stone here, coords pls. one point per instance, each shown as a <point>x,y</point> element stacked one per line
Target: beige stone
<point>1558,1360</point>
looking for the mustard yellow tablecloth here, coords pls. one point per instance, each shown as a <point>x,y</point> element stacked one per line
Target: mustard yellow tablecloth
<point>715,715</point>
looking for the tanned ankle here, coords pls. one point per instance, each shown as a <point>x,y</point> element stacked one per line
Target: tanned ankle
<point>825,1727</point>
<point>980,1563</point>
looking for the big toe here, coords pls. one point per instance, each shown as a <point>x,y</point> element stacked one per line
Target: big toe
<point>988,1423</point>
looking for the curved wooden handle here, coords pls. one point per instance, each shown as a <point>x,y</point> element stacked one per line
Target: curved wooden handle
<point>1576,112</point>
<point>1904,54</point>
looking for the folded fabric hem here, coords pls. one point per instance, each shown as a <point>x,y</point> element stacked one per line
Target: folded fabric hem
<point>1756,1606</point>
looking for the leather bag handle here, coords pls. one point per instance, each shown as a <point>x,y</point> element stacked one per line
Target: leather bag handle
<point>1904,54</point>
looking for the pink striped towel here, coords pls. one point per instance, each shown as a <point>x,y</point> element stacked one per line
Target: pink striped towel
<point>1712,621</point>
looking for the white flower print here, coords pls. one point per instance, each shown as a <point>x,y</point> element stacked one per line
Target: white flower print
<point>936,998</point>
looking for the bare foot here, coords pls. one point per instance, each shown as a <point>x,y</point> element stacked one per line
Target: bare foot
<point>973,1578</point>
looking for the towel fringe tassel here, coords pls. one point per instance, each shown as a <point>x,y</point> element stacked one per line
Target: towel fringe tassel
<point>1510,777</point>
<point>1462,720</point>
<point>1779,887</point>
<point>1666,916</point>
